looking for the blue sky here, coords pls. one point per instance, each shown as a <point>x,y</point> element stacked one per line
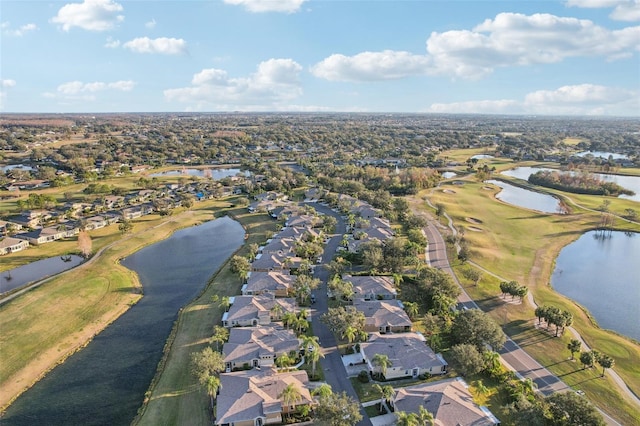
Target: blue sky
<point>571,57</point>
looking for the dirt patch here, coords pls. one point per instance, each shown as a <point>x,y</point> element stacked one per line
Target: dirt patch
<point>487,188</point>
<point>448,191</point>
<point>474,229</point>
<point>473,220</point>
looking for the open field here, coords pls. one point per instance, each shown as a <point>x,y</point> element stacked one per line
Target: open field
<point>45,325</point>
<point>175,397</point>
<point>502,249</point>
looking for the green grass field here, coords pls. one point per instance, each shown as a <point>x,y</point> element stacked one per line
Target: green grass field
<point>175,397</point>
<point>522,245</point>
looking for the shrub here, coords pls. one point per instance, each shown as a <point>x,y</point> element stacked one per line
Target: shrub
<point>363,376</point>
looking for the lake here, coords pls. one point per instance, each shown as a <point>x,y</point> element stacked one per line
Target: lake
<point>449,175</point>
<point>602,154</point>
<point>211,173</point>
<point>628,182</point>
<point>600,271</point>
<point>36,271</point>
<point>525,198</point>
<point>104,383</point>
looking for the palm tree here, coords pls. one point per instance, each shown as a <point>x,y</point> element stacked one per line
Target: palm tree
<point>574,347</point>
<point>386,392</point>
<point>382,362</point>
<point>406,419</point>
<point>284,361</point>
<point>425,418</point>
<point>605,362</point>
<point>220,335</point>
<point>314,356</point>
<point>350,334</point>
<point>225,303</point>
<point>492,360</point>
<point>288,318</point>
<point>276,311</point>
<point>290,395</point>
<point>411,308</point>
<point>213,386</point>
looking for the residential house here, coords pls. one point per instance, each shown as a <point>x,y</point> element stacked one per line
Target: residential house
<point>278,283</point>
<point>279,245</point>
<point>49,234</point>
<point>372,287</point>
<point>247,311</point>
<point>304,221</point>
<point>250,347</point>
<point>265,262</point>
<point>448,400</point>
<point>9,227</point>
<point>253,397</point>
<point>383,316</point>
<point>11,245</point>
<point>409,355</point>
<point>32,218</point>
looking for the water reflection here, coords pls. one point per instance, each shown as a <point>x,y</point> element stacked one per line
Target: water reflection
<point>36,271</point>
<point>525,198</point>
<point>104,384</point>
<point>600,271</point>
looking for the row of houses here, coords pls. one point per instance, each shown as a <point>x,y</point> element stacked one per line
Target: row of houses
<point>251,386</point>
<point>390,334</point>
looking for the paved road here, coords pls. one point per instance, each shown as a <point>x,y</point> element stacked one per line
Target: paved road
<point>334,372</point>
<point>512,355</point>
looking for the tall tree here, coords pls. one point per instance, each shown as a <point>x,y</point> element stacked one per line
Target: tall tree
<point>213,385</point>
<point>338,410</point>
<point>386,392</point>
<point>290,396</point>
<point>406,419</point>
<point>425,418</point>
<point>478,328</point>
<point>206,363</point>
<point>467,359</point>
<point>605,362</point>
<point>84,243</point>
<point>220,335</point>
<point>570,409</point>
<point>574,347</point>
<point>381,362</point>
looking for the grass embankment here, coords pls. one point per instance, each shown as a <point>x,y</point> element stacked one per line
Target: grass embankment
<point>175,397</point>
<point>522,245</point>
<point>45,325</point>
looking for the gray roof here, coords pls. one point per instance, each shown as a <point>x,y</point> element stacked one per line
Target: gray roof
<point>407,350</point>
<point>246,395</point>
<point>245,308</point>
<point>365,285</point>
<point>380,313</point>
<point>448,400</point>
<point>260,282</point>
<point>253,342</point>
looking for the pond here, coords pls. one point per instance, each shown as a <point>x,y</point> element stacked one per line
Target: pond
<point>36,271</point>
<point>215,174</point>
<point>482,156</point>
<point>628,182</point>
<point>449,175</point>
<point>105,383</point>
<point>600,271</point>
<point>602,154</point>
<point>525,198</point>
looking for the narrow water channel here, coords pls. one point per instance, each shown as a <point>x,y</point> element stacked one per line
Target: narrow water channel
<point>104,384</point>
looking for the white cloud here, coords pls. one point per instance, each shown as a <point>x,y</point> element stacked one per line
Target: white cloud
<point>162,45</point>
<point>286,6</point>
<point>92,15</point>
<point>151,24</point>
<point>77,87</point>
<point>111,43</point>
<point>624,10</point>
<point>581,99</point>
<point>275,82</point>
<point>6,83</point>
<point>371,66</point>
<point>510,39</point>
<point>19,32</point>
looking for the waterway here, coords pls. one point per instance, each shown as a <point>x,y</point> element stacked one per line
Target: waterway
<point>628,182</point>
<point>104,384</point>
<point>36,271</point>
<point>211,173</point>
<point>525,198</point>
<point>600,271</point>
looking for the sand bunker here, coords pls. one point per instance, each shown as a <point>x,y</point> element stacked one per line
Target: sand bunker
<point>474,229</point>
<point>473,220</point>
<point>448,191</point>
<point>488,188</point>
